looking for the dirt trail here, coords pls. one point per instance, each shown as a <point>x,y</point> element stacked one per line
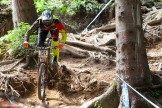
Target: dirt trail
<point>96,71</point>
<point>100,72</point>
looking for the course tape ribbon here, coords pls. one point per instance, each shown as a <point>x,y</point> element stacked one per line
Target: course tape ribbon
<point>138,93</point>
<point>98,15</point>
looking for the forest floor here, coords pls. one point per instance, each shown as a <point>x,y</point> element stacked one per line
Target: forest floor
<point>98,72</point>
<point>90,71</point>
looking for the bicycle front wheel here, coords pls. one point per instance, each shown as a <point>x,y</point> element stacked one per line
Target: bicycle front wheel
<point>41,84</point>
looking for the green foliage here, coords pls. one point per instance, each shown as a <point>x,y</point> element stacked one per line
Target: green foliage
<point>5,1</point>
<point>15,39</point>
<point>41,5</point>
<point>97,104</point>
<point>2,48</point>
<point>69,7</point>
<point>0,51</point>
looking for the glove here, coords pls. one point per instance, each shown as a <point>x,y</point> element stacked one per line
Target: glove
<point>60,45</point>
<point>26,44</point>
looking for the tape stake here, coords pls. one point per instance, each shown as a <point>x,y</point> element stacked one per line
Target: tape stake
<point>159,67</point>
<point>127,98</point>
<point>125,95</point>
<point>86,30</point>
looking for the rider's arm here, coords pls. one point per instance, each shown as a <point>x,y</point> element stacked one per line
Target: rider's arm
<point>33,27</point>
<point>61,29</point>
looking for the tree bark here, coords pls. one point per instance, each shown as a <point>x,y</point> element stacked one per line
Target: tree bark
<point>131,61</point>
<point>23,11</point>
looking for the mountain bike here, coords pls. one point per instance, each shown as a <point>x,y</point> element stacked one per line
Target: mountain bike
<point>45,73</point>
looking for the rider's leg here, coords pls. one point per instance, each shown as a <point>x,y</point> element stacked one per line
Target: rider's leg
<point>42,34</point>
<point>55,35</point>
<point>55,52</point>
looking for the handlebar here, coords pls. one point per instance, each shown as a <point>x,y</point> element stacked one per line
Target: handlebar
<point>42,48</point>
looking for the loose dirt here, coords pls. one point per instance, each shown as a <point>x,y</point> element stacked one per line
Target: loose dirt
<point>104,72</point>
<point>94,77</point>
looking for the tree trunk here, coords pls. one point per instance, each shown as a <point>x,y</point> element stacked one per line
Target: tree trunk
<point>23,11</point>
<point>132,64</point>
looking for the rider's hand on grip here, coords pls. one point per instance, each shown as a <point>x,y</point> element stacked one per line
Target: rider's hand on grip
<point>60,45</point>
<point>26,44</point>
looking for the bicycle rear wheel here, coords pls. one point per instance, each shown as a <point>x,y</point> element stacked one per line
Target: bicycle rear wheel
<point>41,84</point>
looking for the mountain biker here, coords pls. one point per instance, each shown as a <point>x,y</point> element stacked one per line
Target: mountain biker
<point>47,22</point>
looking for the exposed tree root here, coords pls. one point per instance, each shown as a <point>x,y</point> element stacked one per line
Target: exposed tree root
<point>78,84</point>
<point>109,99</point>
<point>7,62</point>
<point>12,68</point>
<point>15,84</point>
<point>78,53</point>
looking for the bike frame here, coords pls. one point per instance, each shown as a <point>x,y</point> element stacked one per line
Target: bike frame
<point>43,76</point>
<point>44,71</point>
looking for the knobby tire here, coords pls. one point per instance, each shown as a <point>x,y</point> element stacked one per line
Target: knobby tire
<point>42,71</point>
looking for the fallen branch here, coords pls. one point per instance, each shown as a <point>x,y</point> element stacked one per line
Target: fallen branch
<point>155,22</point>
<point>90,47</point>
<point>75,52</point>
<point>7,62</point>
<point>11,69</point>
<point>107,27</point>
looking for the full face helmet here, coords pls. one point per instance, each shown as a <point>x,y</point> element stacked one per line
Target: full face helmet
<point>47,17</point>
